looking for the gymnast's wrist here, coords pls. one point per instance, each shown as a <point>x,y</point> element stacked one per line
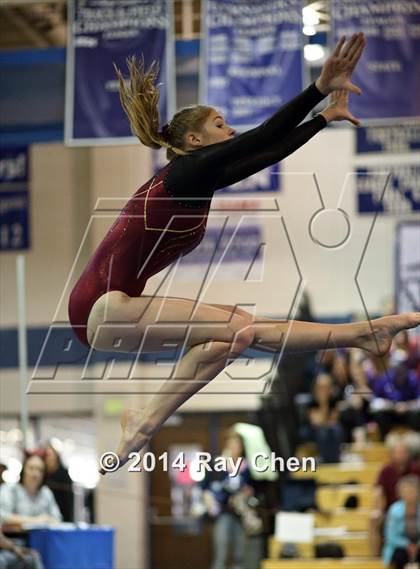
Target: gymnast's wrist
<point>323,89</point>
<point>328,114</point>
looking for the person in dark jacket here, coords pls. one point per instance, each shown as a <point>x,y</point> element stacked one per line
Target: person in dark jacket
<point>59,481</point>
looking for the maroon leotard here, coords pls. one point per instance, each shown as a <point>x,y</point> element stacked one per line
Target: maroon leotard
<point>167,216</point>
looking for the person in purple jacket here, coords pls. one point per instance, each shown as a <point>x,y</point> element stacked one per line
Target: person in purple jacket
<point>396,394</point>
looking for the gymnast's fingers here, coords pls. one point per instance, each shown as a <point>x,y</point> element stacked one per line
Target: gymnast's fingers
<point>349,46</point>
<point>356,56</point>
<point>354,48</point>
<point>338,47</point>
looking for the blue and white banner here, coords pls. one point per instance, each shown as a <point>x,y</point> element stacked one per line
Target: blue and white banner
<point>251,58</point>
<point>100,34</point>
<point>14,165</point>
<point>389,70</point>
<point>394,139</point>
<point>394,190</point>
<point>14,199</point>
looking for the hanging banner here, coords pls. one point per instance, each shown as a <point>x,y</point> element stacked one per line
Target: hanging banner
<point>251,58</point>
<point>395,139</point>
<point>394,190</point>
<point>389,70</point>
<point>14,199</point>
<point>103,33</point>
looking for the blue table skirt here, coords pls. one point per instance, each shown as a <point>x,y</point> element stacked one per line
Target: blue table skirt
<point>90,548</point>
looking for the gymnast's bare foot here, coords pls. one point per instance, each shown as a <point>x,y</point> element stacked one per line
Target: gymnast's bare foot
<point>135,435</point>
<point>378,334</point>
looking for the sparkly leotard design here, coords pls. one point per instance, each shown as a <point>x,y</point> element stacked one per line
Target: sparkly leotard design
<point>167,216</point>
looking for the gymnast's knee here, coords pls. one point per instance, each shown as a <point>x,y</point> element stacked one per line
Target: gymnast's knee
<point>244,334</point>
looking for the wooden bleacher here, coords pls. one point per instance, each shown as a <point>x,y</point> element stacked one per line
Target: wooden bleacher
<point>336,483</point>
<point>371,452</point>
<point>334,496</point>
<point>343,473</point>
<point>352,520</point>
<point>355,544</point>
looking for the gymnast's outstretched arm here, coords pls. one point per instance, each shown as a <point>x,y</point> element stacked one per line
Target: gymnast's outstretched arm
<point>338,110</point>
<point>278,151</point>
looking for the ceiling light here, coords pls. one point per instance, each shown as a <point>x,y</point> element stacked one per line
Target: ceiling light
<point>310,16</point>
<point>314,52</point>
<point>309,30</point>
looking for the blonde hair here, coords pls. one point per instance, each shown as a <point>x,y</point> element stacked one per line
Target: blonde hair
<point>140,100</point>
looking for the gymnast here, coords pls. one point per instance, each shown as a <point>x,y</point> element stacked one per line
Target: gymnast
<point>166,218</point>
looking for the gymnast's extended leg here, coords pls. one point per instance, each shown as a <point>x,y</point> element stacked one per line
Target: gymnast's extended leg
<point>214,336</point>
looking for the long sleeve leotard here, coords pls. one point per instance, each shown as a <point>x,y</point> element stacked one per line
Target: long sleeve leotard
<point>167,216</point>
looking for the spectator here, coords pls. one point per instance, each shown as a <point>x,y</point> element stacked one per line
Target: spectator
<point>59,481</point>
<point>228,531</point>
<point>336,364</point>
<point>13,556</point>
<point>29,501</point>
<point>409,350</point>
<point>322,425</point>
<point>402,526</point>
<point>385,490</point>
<point>396,391</point>
<point>351,389</point>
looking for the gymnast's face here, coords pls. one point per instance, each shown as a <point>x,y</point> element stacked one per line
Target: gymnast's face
<point>214,130</point>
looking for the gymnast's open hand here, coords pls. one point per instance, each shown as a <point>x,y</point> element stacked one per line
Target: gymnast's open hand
<point>337,70</point>
<point>338,109</point>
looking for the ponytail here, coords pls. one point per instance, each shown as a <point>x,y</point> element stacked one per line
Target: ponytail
<point>140,101</point>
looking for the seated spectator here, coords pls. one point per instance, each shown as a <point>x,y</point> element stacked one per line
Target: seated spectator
<point>59,481</point>
<point>385,489</point>
<point>402,525</point>
<point>396,394</point>
<point>343,366</point>
<point>322,425</point>
<point>29,501</point>
<point>409,350</point>
<point>13,556</point>
<point>337,364</point>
